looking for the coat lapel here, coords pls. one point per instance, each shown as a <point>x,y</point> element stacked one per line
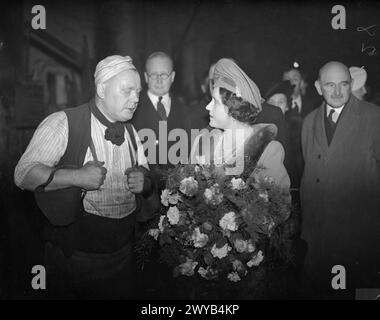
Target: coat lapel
<point>346,124</point>
<point>319,129</point>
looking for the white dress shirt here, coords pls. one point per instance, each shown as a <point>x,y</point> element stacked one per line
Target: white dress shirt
<point>166,101</point>
<point>336,114</point>
<point>297,101</point>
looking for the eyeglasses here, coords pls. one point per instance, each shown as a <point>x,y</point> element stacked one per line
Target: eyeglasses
<point>162,76</point>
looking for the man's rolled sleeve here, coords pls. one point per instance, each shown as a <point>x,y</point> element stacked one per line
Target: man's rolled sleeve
<point>47,146</point>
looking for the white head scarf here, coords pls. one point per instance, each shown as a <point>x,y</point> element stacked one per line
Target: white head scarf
<point>111,66</point>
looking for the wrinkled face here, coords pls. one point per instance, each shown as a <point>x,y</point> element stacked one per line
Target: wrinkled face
<point>279,100</point>
<point>219,117</point>
<point>334,85</point>
<point>159,75</point>
<point>295,78</point>
<point>120,95</point>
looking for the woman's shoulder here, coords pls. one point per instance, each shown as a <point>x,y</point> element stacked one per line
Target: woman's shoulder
<point>266,128</point>
<point>274,150</point>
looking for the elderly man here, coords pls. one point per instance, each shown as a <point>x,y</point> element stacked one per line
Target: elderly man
<point>89,148</point>
<point>340,190</point>
<point>159,108</point>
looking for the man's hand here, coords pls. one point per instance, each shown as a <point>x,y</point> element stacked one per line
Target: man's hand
<point>135,179</point>
<point>91,176</point>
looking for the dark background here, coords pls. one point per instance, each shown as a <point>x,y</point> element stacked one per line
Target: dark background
<point>42,71</point>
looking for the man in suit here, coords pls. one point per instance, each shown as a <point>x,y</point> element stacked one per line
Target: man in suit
<point>340,189</point>
<point>159,108</point>
<point>299,106</point>
<point>301,103</point>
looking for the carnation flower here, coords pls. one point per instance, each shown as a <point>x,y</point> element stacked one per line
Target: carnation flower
<point>200,239</point>
<point>241,245</point>
<point>237,184</point>
<point>154,233</point>
<point>208,194</point>
<point>220,252</point>
<point>264,195</point>
<point>202,271</point>
<point>189,186</point>
<point>251,247</point>
<point>161,223</point>
<point>207,226</point>
<point>213,195</point>
<point>256,259</point>
<point>237,265</point>
<point>167,198</point>
<point>187,268</point>
<point>228,222</point>
<point>233,276</point>
<point>173,215</point>
<point>208,273</point>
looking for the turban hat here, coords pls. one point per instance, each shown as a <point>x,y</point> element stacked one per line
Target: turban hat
<point>230,76</point>
<point>111,66</point>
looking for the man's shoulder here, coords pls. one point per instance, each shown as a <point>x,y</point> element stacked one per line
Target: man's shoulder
<point>144,98</point>
<point>368,108</point>
<point>55,118</point>
<point>311,116</point>
<point>81,108</point>
<point>177,101</point>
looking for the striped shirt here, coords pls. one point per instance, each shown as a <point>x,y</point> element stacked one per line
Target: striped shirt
<point>113,199</point>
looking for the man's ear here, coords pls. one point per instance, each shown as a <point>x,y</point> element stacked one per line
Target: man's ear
<point>100,90</point>
<point>172,76</point>
<point>317,86</point>
<point>146,77</point>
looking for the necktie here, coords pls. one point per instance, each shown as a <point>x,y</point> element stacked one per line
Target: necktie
<point>330,117</point>
<point>295,106</point>
<point>161,109</point>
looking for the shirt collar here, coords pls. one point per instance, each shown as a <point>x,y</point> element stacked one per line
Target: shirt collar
<point>337,110</point>
<point>154,98</point>
<point>298,100</point>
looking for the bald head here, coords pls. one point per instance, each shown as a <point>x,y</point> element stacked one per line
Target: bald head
<point>334,83</point>
<point>334,67</point>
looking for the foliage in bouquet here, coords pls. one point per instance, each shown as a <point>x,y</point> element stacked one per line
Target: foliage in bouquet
<point>213,226</point>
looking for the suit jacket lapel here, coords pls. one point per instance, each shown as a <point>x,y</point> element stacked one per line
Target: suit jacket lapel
<point>150,106</point>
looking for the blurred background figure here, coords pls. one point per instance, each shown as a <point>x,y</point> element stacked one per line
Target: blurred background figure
<point>200,117</point>
<point>302,103</point>
<point>280,95</point>
<point>359,77</point>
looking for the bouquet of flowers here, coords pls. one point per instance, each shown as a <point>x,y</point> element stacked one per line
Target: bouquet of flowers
<point>215,227</point>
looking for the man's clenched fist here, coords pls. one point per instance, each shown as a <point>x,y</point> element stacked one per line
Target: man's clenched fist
<point>135,179</point>
<point>92,175</point>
